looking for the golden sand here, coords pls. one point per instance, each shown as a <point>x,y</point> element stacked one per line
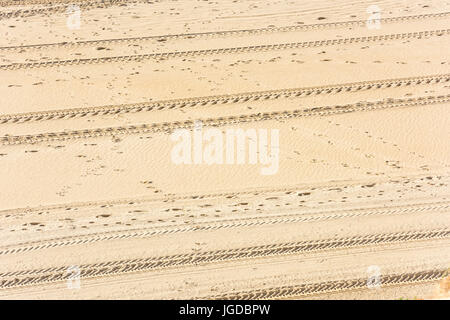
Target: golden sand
<point>92,204</point>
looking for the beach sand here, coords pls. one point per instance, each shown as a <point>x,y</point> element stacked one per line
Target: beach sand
<point>94,206</point>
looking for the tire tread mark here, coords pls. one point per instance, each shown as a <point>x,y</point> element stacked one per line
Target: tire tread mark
<point>331,286</point>
<point>41,276</point>
<point>318,26</point>
<point>246,49</point>
<point>167,127</point>
<point>220,99</point>
<point>207,226</point>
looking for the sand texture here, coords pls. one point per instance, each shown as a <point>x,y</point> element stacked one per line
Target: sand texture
<point>353,203</point>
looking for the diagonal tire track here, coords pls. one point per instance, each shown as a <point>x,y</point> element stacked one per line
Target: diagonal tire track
<point>217,225</point>
<point>332,286</point>
<point>167,127</point>
<point>316,26</point>
<point>223,99</point>
<point>53,274</point>
<point>234,50</point>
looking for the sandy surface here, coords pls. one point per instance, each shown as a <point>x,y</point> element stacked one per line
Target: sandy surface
<point>90,193</point>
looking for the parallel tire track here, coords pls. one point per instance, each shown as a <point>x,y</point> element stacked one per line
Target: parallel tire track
<point>54,274</point>
<point>242,32</point>
<point>60,7</point>
<point>167,127</point>
<point>223,99</point>
<point>332,286</point>
<point>246,49</point>
<point>223,194</point>
<point>6,3</point>
<point>217,225</point>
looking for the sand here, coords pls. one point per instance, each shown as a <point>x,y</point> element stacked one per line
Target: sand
<point>93,205</point>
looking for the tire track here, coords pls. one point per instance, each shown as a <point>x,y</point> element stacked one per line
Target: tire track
<point>55,274</point>
<point>241,32</point>
<point>227,194</point>
<point>332,286</point>
<point>222,99</point>
<point>235,50</point>
<point>167,127</point>
<point>61,7</point>
<point>7,3</point>
<point>220,224</point>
